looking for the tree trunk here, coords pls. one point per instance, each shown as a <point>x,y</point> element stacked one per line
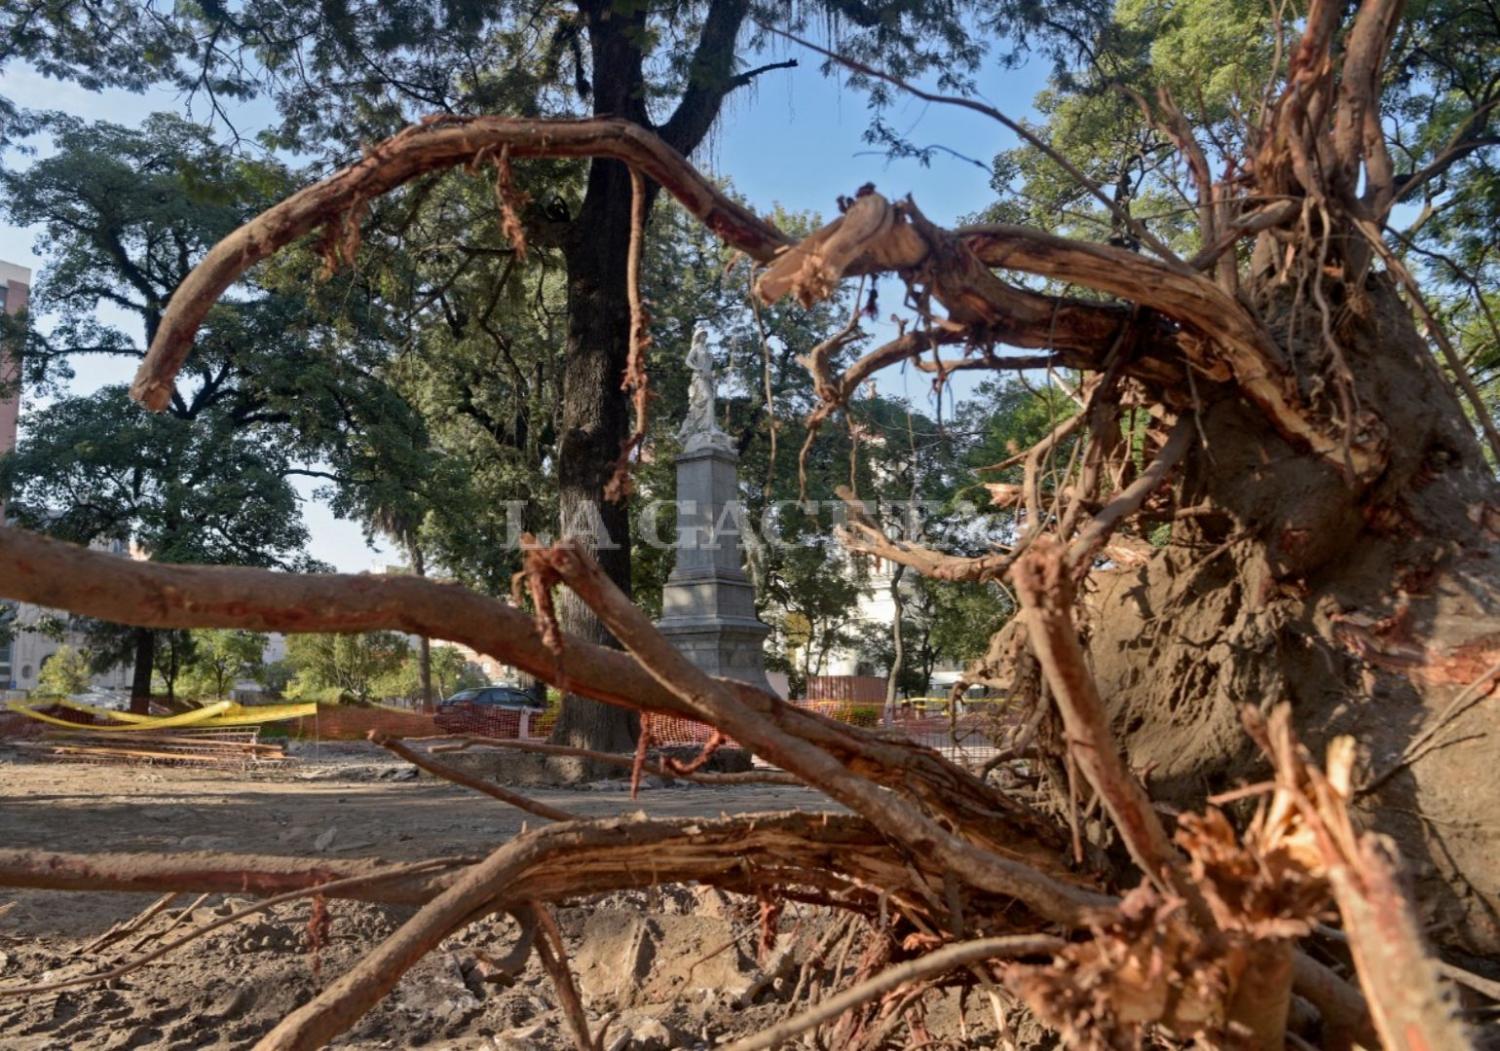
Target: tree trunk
<point>595,424</point>
<point>595,411</point>
<point>140,679</point>
<point>424,671</point>
<point>898,646</point>
<point>424,644</point>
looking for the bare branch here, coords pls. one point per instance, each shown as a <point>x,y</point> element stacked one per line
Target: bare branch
<point>395,746</point>
<point>1128,501</point>
<point>1465,140</point>
<point>858,533</point>
<point>554,956</point>
<point>874,236</point>
<point>439,143</point>
<point>1357,133</point>
<point>222,874</point>
<point>568,857</point>
<point>333,888</point>
<point>1263,218</point>
<point>993,871</point>
<point>56,575</point>
<point>1020,130</point>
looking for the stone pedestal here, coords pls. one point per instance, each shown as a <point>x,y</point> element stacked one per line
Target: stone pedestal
<point>708,603</point>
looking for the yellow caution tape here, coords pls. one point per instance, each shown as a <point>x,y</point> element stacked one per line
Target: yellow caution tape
<point>198,717</point>
<point>105,713</point>
<point>240,715</point>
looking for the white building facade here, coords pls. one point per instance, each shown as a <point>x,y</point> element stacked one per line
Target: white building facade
<point>25,650</point>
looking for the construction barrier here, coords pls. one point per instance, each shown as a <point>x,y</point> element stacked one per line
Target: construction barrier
<point>196,717</point>
<point>856,689</point>
<point>350,722</point>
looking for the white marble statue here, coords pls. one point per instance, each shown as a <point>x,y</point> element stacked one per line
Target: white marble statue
<point>699,428</point>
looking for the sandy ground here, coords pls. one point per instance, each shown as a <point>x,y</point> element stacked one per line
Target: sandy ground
<point>373,807</point>
<point>669,966</point>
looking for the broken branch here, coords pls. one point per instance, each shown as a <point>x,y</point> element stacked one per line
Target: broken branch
<point>395,746</point>
<point>711,701</point>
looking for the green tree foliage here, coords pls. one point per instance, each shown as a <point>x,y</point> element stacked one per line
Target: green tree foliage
<point>275,677</point>
<point>64,673</point>
<point>171,657</point>
<point>1114,113</point>
<point>269,387</point>
<point>344,667</point>
<point>223,656</point>
<point>812,604</point>
<point>451,672</point>
<point>963,617</point>
<point>96,466</point>
<point>347,74</point>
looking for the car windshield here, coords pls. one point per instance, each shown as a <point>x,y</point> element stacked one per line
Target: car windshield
<point>464,695</point>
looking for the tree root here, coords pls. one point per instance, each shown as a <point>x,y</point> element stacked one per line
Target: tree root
<point>934,963</point>
<point>1205,948</point>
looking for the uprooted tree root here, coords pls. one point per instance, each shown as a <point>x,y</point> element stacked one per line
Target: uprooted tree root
<point>1204,948</point>
<point>1194,380</point>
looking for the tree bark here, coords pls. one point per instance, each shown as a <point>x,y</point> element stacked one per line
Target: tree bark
<point>424,644</point>
<point>145,664</point>
<point>595,423</point>
<point>595,411</point>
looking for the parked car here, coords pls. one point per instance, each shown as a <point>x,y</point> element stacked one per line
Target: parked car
<point>494,711</point>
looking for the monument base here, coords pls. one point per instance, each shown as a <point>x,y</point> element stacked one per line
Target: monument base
<point>723,647</point>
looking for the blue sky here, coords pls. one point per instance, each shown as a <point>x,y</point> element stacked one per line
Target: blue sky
<point>794,138</point>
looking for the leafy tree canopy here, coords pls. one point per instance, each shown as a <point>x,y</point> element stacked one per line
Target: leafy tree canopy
<point>344,667</point>
<point>222,657</point>
<point>64,673</point>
